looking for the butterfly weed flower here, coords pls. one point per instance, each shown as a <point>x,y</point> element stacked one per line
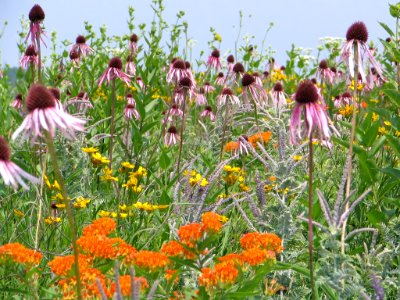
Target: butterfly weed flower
<point>81,47</point>
<point>30,57</point>
<point>114,71</point>
<point>9,171</point>
<point>357,34</point>
<point>308,102</point>
<point>43,115</point>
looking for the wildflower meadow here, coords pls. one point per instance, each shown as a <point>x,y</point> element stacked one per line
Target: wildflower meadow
<point>131,169</point>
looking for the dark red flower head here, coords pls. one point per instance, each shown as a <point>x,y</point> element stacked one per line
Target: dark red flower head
<point>346,95</point>
<point>80,95</point>
<point>306,92</point>
<point>215,53</point>
<point>256,74</point>
<point>313,80</point>
<point>238,68</point>
<point>388,40</point>
<point>323,64</point>
<point>220,75</point>
<point>73,54</point>
<point>230,59</point>
<point>357,31</point>
<point>36,14</point>
<point>185,82</point>
<point>266,73</point>
<point>80,39</point>
<point>39,97</point>
<point>172,130</point>
<point>30,51</point>
<point>247,79</point>
<point>278,87</point>
<point>333,69</point>
<point>134,38</point>
<point>187,65</point>
<point>5,153</point>
<point>179,64</point>
<point>208,108</point>
<point>129,95</point>
<point>283,68</point>
<point>55,92</point>
<point>18,97</point>
<point>227,91</point>
<point>115,62</point>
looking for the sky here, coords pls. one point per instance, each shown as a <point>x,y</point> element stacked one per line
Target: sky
<point>302,22</point>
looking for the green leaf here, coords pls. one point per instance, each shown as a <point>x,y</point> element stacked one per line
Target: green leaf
<point>367,168</point>
<point>376,217</point>
<point>392,172</point>
<point>394,144</point>
<point>393,95</point>
<point>388,30</point>
<point>377,145</point>
<point>370,134</point>
<point>164,160</point>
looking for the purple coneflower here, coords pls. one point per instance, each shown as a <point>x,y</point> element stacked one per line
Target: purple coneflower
<point>278,95</point>
<point>231,61</point>
<point>208,88</point>
<point>208,113</point>
<point>74,56</point>
<point>324,72</point>
<point>114,71</point>
<point>57,96</point>
<point>130,99</point>
<point>227,95</point>
<point>257,78</point>
<point>220,80</point>
<point>171,137</point>
<point>81,47</point>
<point>175,111</point>
<point>256,91</point>
<point>36,16</point>
<point>243,143</point>
<point>130,67</point>
<point>186,86</point>
<point>130,111</point>
<point>11,173</point>
<point>238,70</point>
<point>177,70</point>
<point>81,102</point>
<point>189,72</point>
<point>213,60</point>
<point>272,65</point>
<point>44,115</point>
<point>358,34</point>
<point>17,103</point>
<point>201,98</point>
<point>167,119</point>
<point>30,57</point>
<point>140,83</point>
<point>133,47</point>
<point>307,100</point>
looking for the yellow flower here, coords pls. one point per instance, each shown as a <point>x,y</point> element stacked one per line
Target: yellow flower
<point>18,213</point>
<point>387,123</point>
<point>272,178</point>
<point>51,186</point>
<point>244,188</point>
<point>123,215</point>
<point>97,159</point>
<point>81,202</point>
<point>374,100</point>
<point>90,150</point>
<point>223,219</point>
<point>103,213</point>
<point>108,175</point>
<point>346,111</point>
<point>375,117</point>
<point>60,205</point>
<point>125,166</point>
<point>58,197</point>
<point>397,133</point>
<point>120,98</point>
<point>383,130</point>
<point>217,37</point>
<point>124,207</point>
<point>147,206</point>
<point>297,157</point>
<point>52,220</point>
<point>278,75</point>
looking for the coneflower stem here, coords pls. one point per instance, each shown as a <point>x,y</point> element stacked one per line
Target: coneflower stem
<point>39,57</point>
<point>60,179</point>
<point>33,72</point>
<point>310,224</point>
<point>397,48</point>
<point>112,122</point>
<point>227,112</point>
<point>351,142</point>
<point>182,128</point>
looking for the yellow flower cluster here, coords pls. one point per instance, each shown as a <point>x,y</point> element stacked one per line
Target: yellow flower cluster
<point>100,94</point>
<point>360,86</point>
<point>278,75</point>
<point>52,186</point>
<point>108,175</point>
<point>134,178</point>
<point>195,178</point>
<point>145,206</point>
<point>52,220</point>
<point>113,214</point>
<point>346,111</point>
<point>375,117</point>
<point>81,202</point>
<point>233,175</point>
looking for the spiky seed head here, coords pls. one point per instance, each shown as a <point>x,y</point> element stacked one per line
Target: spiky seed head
<point>80,39</point>
<point>80,95</point>
<point>346,95</point>
<point>172,130</point>
<point>134,38</point>
<point>220,75</point>
<point>185,82</point>
<point>130,106</point>
<point>323,64</point>
<point>129,95</point>
<point>238,68</point>
<point>215,53</point>
<point>19,97</point>
<point>230,59</point>
<point>306,92</point>
<point>129,58</point>
<point>30,51</point>
<point>115,62</point>
<point>333,69</point>
<point>256,74</point>
<point>278,87</point>
<point>39,97</point>
<point>36,14</point>
<point>283,68</point>
<point>227,91</point>
<point>73,54</point>
<point>55,92</point>
<point>266,73</point>
<point>313,80</point>
<point>208,108</point>
<point>179,64</point>
<point>5,152</point>
<point>247,79</point>
<point>357,31</point>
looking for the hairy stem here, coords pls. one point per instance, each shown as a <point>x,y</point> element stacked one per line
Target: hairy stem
<point>112,122</point>
<point>310,220</point>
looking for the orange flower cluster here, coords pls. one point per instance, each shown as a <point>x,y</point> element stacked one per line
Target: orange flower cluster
<point>231,147</point>
<point>222,274</point>
<point>189,234</point>
<point>150,260</point>
<point>62,265</point>
<point>173,248</point>
<point>261,137</point>
<point>20,254</point>
<point>125,284</point>
<point>102,226</point>
<point>212,222</point>
<point>265,241</point>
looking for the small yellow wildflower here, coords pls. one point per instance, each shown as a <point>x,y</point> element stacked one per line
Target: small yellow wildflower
<point>59,197</point>
<point>108,175</point>
<point>346,111</point>
<point>18,213</point>
<point>103,213</point>
<point>97,159</point>
<point>51,186</point>
<point>223,219</point>
<point>387,123</point>
<point>90,150</point>
<point>383,130</point>
<point>148,207</point>
<point>123,215</point>
<point>124,207</point>
<point>52,220</point>
<point>374,100</point>
<point>375,117</point>
<point>297,157</point>
<point>244,188</point>
<point>397,133</point>
<point>60,205</point>
<point>126,166</point>
<point>217,37</point>
<point>81,202</point>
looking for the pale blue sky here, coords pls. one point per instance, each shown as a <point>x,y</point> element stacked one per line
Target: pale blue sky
<point>301,22</point>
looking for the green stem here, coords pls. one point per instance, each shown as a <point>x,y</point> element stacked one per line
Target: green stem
<point>60,179</point>
<point>310,224</point>
<point>182,128</point>
<point>39,57</point>
<point>112,122</point>
<point>352,135</point>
